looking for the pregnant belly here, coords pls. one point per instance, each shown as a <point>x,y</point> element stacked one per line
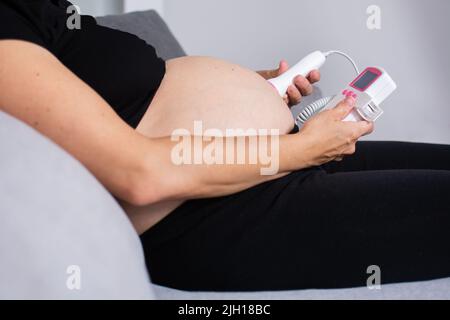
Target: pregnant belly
<point>219,94</point>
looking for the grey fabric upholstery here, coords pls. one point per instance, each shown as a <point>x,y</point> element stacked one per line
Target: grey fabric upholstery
<point>428,290</point>
<point>148,26</point>
<point>54,214</point>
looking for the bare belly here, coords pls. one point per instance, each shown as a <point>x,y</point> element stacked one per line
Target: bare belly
<point>219,94</point>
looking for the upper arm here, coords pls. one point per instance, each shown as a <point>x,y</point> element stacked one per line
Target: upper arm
<point>39,90</point>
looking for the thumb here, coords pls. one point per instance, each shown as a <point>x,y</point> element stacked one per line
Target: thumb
<point>344,108</point>
<point>283,67</point>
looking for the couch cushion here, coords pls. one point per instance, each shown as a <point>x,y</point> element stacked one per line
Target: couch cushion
<point>53,215</point>
<point>148,26</point>
<point>427,290</point>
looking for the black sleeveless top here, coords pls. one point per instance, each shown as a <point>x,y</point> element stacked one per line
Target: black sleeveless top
<point>119,66</point>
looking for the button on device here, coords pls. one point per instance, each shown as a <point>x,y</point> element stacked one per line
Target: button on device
<point>370,111</point>
<point>372,107</point>
<point>350,94</point>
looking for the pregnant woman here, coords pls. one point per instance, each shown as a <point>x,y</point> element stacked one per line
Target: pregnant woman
<point>335,208</point>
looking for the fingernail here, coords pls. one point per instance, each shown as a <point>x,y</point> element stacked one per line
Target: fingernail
<point>350,101</point>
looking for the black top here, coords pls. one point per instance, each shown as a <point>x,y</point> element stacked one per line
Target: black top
<point>122,68</point>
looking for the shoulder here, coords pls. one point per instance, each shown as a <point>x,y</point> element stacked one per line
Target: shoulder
<point>36,21</point>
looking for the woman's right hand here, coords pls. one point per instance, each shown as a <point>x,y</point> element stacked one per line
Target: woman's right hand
<point>329,138</point>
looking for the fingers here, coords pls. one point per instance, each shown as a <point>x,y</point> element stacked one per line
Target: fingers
<point>294,96</point>
<point>364,128</point>
<point>355,130</point>
<point>344,108</point>
<point>283,67</point>
<point>360,128</point>
<point>300,88</point>
<point>303,85</point>
<point>370,127</point>
<point>314,76</point>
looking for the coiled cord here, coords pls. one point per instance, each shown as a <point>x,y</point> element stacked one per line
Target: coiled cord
<point>312,109</point>
<point>317,106</point>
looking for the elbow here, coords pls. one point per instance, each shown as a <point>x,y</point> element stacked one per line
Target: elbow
<point>146,187</point>
<point>151,180</point>
<point>137,198</point>
<point>141,194</point>
<point>167,186</point>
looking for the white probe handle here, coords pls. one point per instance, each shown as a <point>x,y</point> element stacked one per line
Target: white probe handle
<point>311,62</point>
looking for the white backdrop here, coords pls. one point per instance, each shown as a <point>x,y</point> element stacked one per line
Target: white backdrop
<point>137,5</point>
<point>104,7</point>
<point>99,7</point>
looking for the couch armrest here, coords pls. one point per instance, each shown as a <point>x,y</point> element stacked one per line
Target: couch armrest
<point>54,214</point>
<point>150,27</point>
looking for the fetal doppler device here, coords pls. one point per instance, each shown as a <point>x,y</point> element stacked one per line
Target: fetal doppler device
<point>370,88</point>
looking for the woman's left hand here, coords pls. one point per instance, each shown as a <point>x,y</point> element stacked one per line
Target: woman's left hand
<point>301,86</point>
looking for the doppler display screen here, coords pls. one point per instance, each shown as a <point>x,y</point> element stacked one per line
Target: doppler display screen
<point>365,80</point>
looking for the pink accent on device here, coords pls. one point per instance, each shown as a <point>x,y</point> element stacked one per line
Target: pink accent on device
<point>372,70</point>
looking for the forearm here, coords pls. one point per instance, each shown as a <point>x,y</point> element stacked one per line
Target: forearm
<point>131,166</point>
<point>191,181</point>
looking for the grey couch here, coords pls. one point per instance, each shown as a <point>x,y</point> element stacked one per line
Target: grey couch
<point>63,236</point>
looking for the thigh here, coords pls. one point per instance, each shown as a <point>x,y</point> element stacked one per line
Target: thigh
<point>378,155</point>
<point>308,230</point>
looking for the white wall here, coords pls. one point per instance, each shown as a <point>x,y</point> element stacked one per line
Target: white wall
<point>104,7</point>
<point>140,5</point>
<point>99,7</point>
<point>412,45</point>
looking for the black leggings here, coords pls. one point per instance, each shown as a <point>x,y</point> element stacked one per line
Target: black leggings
<point>388,205</point>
